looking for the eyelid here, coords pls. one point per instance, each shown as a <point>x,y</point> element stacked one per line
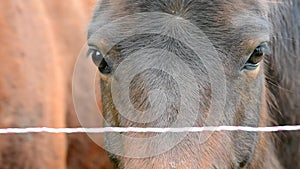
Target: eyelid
<point>93,47</point>
<point>262,44</point>
<point>252,45</point>
<point>268,50</point>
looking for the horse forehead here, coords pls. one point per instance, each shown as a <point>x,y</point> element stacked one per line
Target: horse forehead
<point>248,18</point>
<point>206,12</point>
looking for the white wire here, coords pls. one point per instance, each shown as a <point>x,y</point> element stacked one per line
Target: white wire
<point>146,130</point>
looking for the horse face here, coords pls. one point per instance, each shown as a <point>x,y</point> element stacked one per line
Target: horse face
<point>182,64</point>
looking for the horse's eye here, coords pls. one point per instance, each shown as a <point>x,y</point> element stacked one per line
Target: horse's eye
<point>257,56</point>
<point>96,55</point>
<point>100,61</point>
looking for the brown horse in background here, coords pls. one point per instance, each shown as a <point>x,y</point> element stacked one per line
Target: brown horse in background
<point>259,46</point>
<point>40,41</point>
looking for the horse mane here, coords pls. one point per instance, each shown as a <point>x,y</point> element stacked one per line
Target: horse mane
<point>283,78</point>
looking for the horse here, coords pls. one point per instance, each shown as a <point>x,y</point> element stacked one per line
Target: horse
<point>40,41</point>
<point>191,63</point>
